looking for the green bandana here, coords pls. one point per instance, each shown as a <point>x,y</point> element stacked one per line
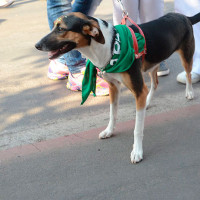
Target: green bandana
<point>122,59</point>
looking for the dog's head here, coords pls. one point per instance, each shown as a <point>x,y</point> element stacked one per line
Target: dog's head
<point>71,31</point>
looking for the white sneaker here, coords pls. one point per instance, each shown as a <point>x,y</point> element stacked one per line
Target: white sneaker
<point>5,3</point>
<point>182,77</point>
<point>162,70</point>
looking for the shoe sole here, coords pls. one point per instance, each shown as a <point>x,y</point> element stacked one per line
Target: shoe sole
<point>6,5</point>
<point>163,73</point>
<point>184,81</point>
<point>55,77</point>
<point>73,88</point>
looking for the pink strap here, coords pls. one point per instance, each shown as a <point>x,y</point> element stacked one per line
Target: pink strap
<point>135,43</point>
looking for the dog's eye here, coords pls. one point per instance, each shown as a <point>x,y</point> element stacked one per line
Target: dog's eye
<point>61,29</point>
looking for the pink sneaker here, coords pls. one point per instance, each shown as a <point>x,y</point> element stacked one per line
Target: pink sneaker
<point>102,88</point>
<point>75,83</point>
<point>57,70</point>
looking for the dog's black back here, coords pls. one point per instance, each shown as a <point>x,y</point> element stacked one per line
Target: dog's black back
<point>166,34</point>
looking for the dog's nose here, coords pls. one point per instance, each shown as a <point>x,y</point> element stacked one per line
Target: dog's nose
<point>38,46</point>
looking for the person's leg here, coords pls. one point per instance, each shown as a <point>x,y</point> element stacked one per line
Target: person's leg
<point>190,8</point>
<point>74,60</point>
<point>150,10</point>
<point>86,7</point>
<point>82,6</point>
<point>130,6</point>
<point>196,58</point>
<point>74,83</point>
<point>55,9</point>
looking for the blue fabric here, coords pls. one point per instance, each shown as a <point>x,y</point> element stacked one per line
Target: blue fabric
<point>57,8</point>
<point>82,6</point>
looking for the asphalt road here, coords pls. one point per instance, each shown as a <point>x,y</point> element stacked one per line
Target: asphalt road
<point>82,167</point>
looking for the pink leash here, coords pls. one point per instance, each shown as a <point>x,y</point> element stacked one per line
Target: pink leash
<point>135,43</point>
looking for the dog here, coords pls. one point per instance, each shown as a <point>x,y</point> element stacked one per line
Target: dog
<point>94,38</point>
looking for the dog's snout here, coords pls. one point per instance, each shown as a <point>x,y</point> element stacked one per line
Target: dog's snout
<point>38,46</point>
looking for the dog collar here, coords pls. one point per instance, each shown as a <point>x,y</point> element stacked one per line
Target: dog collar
<point>122,59</point>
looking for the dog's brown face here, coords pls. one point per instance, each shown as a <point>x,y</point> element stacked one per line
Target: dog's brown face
<point>71,31</point>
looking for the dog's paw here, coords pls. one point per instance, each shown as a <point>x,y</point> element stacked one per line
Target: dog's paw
<point>136,155</point>
<point>189,94</point>
<point>147,105</point>
<point>105,134</point>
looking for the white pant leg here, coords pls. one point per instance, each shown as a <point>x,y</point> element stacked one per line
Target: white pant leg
<point>131,6</point>
<point>146,10</point>
<point>196,58</point>
<point>150,10</point>
<point>190,8</point>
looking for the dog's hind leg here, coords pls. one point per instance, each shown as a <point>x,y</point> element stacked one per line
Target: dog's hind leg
<point>154,84</point>
<point>114,92</point>
<point>186,55</point>
<point>189,93</point>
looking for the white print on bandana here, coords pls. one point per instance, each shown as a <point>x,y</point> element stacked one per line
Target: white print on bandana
<point>116,50</point>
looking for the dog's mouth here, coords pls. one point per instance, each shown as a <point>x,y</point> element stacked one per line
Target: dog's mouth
<point>65,48</point>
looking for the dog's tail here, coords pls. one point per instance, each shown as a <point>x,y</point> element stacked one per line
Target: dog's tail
<point>195,19</point>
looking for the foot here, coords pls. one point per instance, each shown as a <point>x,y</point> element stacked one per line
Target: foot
<point>102,87</point>
<point>162,70</point>
<point>75,81</point>
<point>75,84</point>
<point>189,94</point>
<point>136,154</point>
<point>57,70</point>
<point>6,3</point>
<point>105,134</point>
<point>181,78</point>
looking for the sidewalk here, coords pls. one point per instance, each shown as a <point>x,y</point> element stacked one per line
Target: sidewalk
<point>49,146</point>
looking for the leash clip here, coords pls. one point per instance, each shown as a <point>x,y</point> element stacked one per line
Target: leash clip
<point>124,12</point>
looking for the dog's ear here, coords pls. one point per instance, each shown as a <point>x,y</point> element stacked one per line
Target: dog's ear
<point>95,32</point>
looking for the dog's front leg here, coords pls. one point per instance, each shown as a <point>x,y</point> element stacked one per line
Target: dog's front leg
<point>114,91</point>
<point>137,152</point>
